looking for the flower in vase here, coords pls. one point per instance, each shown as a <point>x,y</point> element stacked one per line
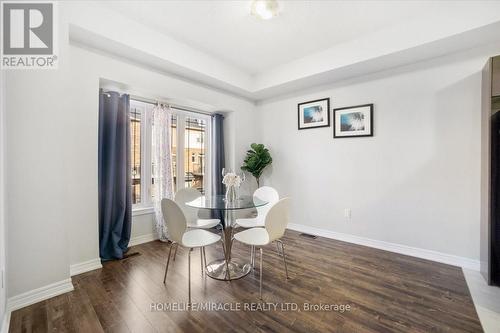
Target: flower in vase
<point>231,179</point>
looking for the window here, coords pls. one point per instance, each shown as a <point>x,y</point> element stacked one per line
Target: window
<point>140,135</point>
<point>135,146</point>
<point>189,146</point>
<point>195,138</point>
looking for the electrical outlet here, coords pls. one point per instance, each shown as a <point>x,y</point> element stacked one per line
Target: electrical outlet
<point>347,213</point>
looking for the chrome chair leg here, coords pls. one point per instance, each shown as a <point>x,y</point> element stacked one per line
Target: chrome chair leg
<point>175,251</point>
<point>168,261</point>
<point>251,256</point>
<point>278,249</point>
<point>284,259</point>
<point>260,272</point>
<point>201,261</point>
<point>204,259</point>
<point>254,253</point>
<point>189,275</point>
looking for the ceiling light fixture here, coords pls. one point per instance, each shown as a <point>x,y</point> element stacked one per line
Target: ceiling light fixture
<point>265,9</point>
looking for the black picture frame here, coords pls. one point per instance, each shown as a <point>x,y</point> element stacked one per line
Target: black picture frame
<point>311,102</point>
<point>335,111</point>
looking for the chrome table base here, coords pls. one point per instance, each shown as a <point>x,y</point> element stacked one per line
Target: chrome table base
<point>228,268</point>
<point>238,268</point>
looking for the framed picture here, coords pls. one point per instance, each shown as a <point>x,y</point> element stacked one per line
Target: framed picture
<point>314,114</point>
<point>353,121</point>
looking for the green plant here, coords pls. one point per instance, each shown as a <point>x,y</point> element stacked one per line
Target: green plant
<point>256,160</point>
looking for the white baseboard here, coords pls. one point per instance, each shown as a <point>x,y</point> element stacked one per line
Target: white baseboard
<point>93,264</point>
<point>39,294</point>
<point>142,239</point>
<point>393,247</point>
<point>85,266</point>
<point>6,321</point>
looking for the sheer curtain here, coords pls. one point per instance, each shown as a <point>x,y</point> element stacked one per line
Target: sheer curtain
<point>162,158</point>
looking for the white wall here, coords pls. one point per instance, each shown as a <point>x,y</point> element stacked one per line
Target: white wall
<point>416,182</point>
<point>39,151</point>
<point>143,225</point>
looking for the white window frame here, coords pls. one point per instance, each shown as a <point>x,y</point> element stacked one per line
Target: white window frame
<point>146,204</point>
<point>181,127</point>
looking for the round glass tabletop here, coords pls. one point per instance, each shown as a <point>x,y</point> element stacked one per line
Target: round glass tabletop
<point>218,202</point>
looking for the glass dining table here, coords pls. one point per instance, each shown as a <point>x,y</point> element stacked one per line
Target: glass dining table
<point>228,268</point>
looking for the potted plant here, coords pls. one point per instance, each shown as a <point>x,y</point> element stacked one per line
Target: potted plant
<point>258,157</point>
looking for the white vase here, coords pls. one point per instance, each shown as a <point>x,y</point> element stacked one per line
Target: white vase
<point>230,194</point>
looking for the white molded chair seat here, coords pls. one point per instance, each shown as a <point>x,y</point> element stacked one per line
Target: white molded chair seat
<point>265,193</point>
<point>253,236</point>
<point>203,223</point>
<point>199,238</point>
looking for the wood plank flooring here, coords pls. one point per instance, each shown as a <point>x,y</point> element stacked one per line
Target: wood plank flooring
<point>387,292</point>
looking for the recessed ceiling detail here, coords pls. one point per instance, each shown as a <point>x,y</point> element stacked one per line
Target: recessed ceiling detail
<point>218,43</point>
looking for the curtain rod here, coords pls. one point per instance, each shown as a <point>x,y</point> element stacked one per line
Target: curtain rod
<point>173,106</point>
<point>155,102</point>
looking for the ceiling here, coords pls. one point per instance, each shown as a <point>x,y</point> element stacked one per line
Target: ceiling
<point>220,45</point>
<point>226,30</point>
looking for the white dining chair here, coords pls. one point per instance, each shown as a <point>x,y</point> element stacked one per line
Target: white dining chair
<point>179,234</point>
<point>265,193</point>
<point>275,224</point>
<point>184,195</point>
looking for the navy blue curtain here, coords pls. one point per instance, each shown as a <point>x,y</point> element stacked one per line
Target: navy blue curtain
<point>115,197</point>
<point>218,160</point>
<point>217,152</point>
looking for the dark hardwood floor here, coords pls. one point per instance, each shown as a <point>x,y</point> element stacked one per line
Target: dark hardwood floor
<point>387,292</point>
